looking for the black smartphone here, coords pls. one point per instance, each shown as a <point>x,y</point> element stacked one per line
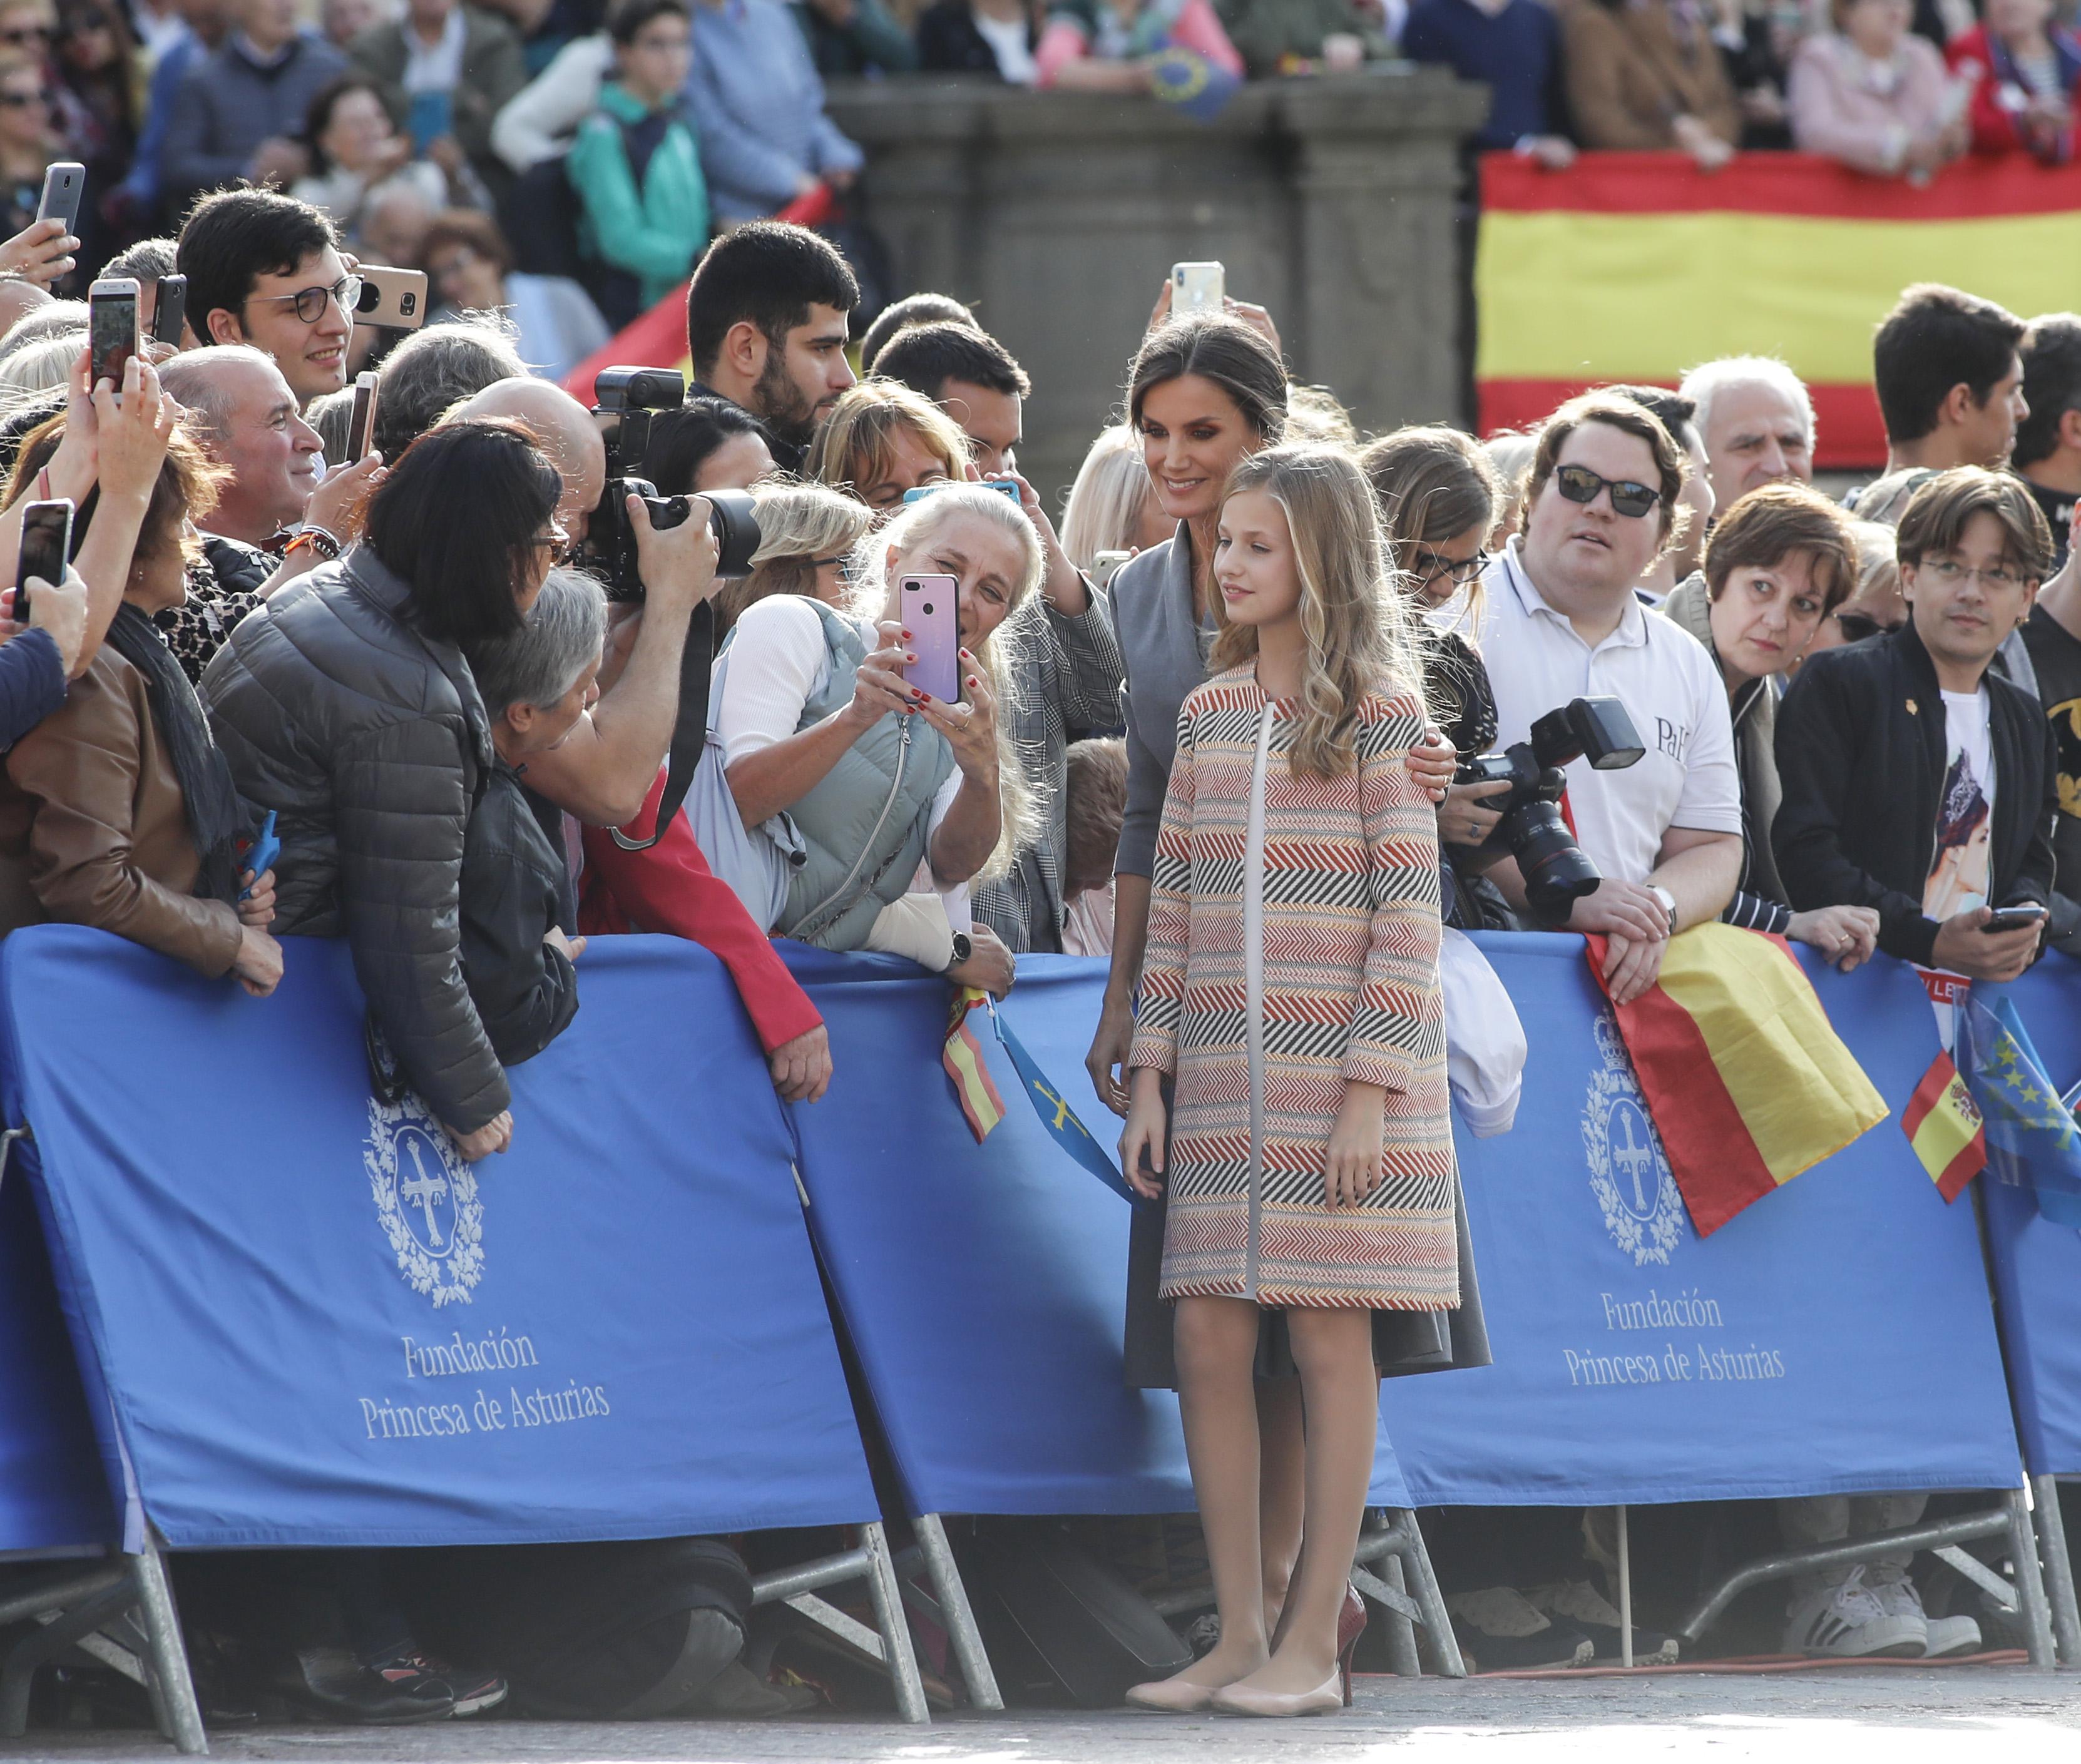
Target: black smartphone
<point>2015,918</point>
<point>396,300</point>
<point>361,426</point>
<point>172,311</point>
<point>46,549</point>
<point>112,329</point>
<point>63,183</point>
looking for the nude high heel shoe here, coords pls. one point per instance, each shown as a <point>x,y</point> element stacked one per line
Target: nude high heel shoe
<point>1171,1696</point>
<point>1325,1700</point>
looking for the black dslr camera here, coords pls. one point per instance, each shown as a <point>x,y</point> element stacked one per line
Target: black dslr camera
<point>633,395</point>
<point>1556,873</point>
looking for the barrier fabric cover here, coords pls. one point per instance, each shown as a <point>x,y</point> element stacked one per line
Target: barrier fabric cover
<point>1639,266</point>
<point>1835,1336</point>
<point>315,1326</point>
<point>2037,1264</point>
<point>985,1286</point>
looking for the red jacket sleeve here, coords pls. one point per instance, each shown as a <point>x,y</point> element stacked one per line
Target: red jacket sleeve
<point>1993,128</point>
<point>671,889</point>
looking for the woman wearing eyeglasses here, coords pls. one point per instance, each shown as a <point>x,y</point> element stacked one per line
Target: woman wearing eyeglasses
<point>29,141</point>
<point>1438,497</point>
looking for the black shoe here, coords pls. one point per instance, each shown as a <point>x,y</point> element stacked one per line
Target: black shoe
<point>473,1691</point>
<point>1498,1630</point>
<point>331,1683</point>
<point>1580,1603</point>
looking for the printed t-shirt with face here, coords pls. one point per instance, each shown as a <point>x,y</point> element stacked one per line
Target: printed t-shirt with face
<point>1958,872</point>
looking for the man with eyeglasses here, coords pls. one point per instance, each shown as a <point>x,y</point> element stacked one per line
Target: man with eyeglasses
<point>1918,779</point>
<point>1564,623</point>
<point>240,110</point>
<point>265,269</point>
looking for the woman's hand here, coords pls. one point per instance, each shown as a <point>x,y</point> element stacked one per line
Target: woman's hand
<point>990,964</point>
<point>879,687</point>
<point>75,465</point>
<point>1109,1049</point>
<point>1465,818</point>
<point>801,1069</point>
<point>569,947</point>
<point>62,612</point>
<point>1704,147</point>
<point>1433,764</point>
<point>258,963</point>
<point>133,436</point>
<point>40,253</point>
<point>339,503</point>
<point>1351,1170</point>
<point>1060,580</point>
<point>1257,318</point>
<point>1147,1126</point>
<point>496,1134</point>
<point>258,907</point>
<point>970,728</point>
<point>1846,936</point>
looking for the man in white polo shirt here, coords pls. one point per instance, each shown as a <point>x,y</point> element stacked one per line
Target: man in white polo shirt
<point>1563,623</point>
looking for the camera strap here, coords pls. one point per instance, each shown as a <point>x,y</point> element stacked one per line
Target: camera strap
<point>690,734</point>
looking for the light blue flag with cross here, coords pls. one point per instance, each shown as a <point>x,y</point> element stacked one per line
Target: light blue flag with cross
<point>1057,1115</point>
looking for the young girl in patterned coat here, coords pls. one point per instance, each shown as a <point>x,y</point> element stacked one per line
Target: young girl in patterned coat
<point>1291,993</point>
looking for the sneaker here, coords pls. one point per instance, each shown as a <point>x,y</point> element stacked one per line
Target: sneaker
<point>1947,1636</point>
<point>473,1691</point>
<point>1590,1611</point>
<point>1848,1622</point>
<point>1498,1630</point>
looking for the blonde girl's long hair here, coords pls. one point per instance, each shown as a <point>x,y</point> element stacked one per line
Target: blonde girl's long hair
<point>1019,808</point>
<point>1359,636</point>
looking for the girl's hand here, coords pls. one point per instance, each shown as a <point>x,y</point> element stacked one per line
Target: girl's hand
<point>879,687</point>
<point>1353,1169</point>
<point>258,908</point>
<point>1144,1135</point>
<point>970,729</point>
<point>1433,764</point>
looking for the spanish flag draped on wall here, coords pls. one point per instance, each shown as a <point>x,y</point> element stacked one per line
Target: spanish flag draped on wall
<point>1747,1082</point>
<point>1635,266</point>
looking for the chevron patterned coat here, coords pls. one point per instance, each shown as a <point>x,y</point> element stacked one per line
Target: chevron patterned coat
<point>1334,885</point>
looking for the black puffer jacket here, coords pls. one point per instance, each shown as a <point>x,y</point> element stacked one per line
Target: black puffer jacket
<point>371,743</point>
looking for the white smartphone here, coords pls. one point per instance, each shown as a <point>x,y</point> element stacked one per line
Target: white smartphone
<point>63,183</point>
<point>1197,287</point>
<point>1106,566</point>
<point>111,329</point>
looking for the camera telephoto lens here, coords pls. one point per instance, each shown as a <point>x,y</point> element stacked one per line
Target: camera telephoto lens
<point>734,519</point>
<point>1555,871</point>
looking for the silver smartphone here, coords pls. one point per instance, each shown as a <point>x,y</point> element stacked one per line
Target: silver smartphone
<point>112,329</point>
<point>63,183</point>
<point>1106,566</point>
<point>1197,287</point>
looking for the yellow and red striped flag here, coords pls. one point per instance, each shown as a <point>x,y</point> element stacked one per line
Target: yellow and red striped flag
<point>1747,1083</point>
<point>973,1087</point>
<point>1942,1124</point>
<point>1636,266</point>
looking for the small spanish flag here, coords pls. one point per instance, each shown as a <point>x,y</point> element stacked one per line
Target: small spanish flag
<point>962,1057</point>
<point>1943,1126</point>
<point>1746,1082</point>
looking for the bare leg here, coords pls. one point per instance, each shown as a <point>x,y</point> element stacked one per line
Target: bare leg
<point>1282,1491</point>
<point>1334,1350</point>
<point>1217,1340</point>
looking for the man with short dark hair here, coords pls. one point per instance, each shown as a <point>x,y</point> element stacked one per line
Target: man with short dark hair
<point>1950,390</point>
<point>265,269</point>
<point>240,110</point>
<point>912,309</point>
<point>2047,454</point>
<point>972,376</point>
<point>766,328</point>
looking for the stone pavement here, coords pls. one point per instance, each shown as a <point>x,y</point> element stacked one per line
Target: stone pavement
<point>1889,1715</point>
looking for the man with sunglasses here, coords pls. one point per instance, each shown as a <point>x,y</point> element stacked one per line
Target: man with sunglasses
<point>1565,623</point>
<point>265,269</point>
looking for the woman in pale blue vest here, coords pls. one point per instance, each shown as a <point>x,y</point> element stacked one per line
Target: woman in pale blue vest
<point>864,808</point>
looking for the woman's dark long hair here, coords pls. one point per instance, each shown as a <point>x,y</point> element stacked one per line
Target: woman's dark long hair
<point>1222,350</point>
<point>457,518</point>
<point>682,440</point>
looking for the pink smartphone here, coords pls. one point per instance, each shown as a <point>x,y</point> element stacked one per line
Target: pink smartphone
<point>931,614</point>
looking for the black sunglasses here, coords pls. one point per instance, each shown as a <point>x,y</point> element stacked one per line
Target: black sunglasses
<point>1580,484</point>
<point>1857,626</point>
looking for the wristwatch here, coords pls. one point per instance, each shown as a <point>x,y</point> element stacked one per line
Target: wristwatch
<point>1668,901</point>
<point>963,947</point>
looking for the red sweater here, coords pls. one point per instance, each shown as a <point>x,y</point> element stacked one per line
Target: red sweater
<point>670,889</point>
<point>1996,128</point>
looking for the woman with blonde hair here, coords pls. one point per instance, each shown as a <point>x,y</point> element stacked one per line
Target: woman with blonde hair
<point>882,439</point>
<point>1112,507</point>
<point>1292,1002</point>
<point>806,536</point>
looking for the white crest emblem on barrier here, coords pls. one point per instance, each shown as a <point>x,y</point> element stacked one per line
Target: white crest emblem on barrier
<point>1628,1175</point>
<point>425,1197</point>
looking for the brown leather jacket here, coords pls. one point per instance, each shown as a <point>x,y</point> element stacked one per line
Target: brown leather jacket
<point>1629,76</point>
<point>93,829</point>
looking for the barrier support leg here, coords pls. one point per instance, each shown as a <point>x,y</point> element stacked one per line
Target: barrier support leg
<point>1402,1658</point>
<point>1626,1593</point>
<point>48,1643</point>
<point>2030,1580</point>
<point>902,1660</point>
<point>957,1615</point>
<point>2059,1570</point>
<point>1401,1540</point>
<point>173,1687</point>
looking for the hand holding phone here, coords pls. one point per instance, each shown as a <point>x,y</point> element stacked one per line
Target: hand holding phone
<point>393,300</point>
<point>1197,287</point>
<point>112,326</point>
<point>46,549</point>
<point>63,183</point>
<point>362,424</point>
<point>931,614</point>
<point>2015,918</point>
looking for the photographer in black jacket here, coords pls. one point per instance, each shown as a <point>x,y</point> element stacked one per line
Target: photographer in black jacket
<point>1917,781</point>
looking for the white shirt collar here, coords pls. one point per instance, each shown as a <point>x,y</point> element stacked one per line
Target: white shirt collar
<point>1631,631</point>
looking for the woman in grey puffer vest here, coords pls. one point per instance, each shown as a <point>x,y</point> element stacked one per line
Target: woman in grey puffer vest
<point>851,786</point>
<point>344,704</point>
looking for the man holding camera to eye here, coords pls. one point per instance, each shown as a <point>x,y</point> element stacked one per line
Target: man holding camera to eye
<point>1564,623</point>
